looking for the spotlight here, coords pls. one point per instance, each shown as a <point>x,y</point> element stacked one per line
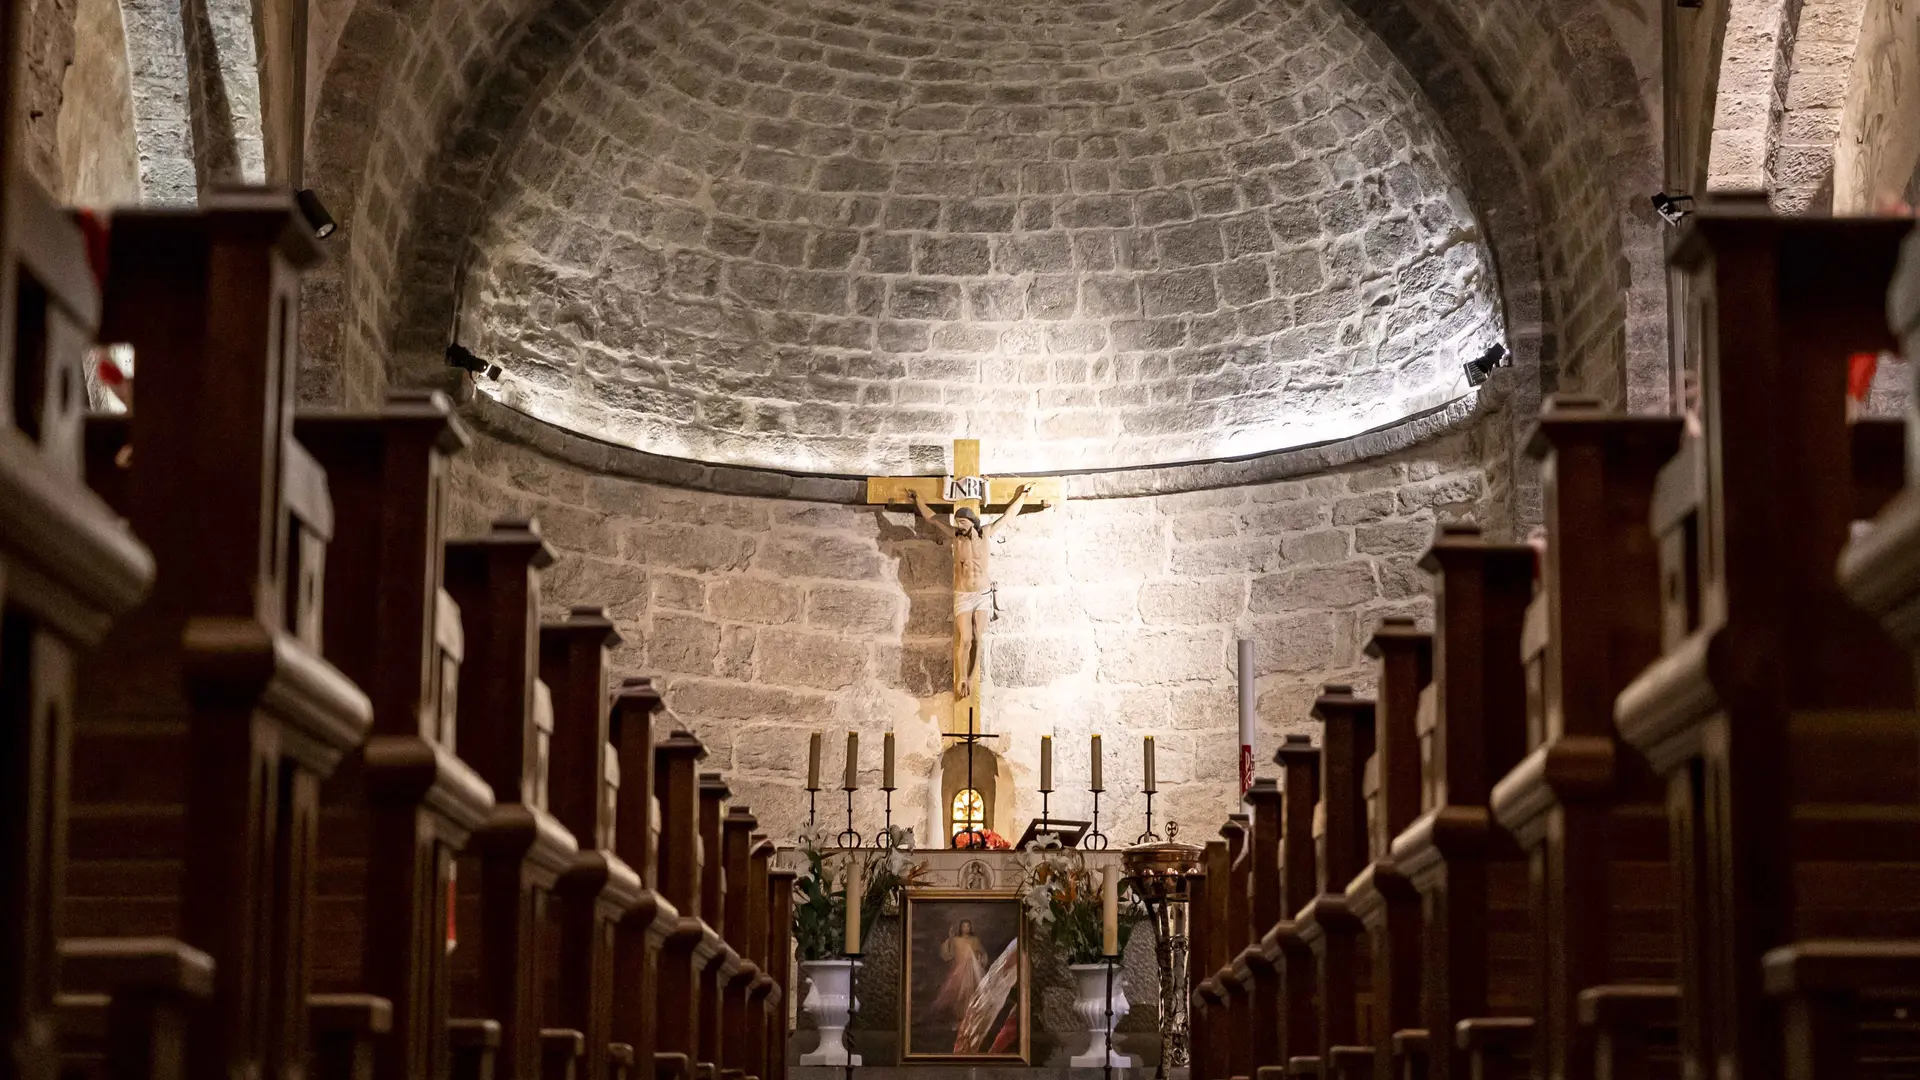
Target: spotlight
<point>1669,208</point>
<point>1482,366</point>
<point>458,356</point>
<point>316,214</point>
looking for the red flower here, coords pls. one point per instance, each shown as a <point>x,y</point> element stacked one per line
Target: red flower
<point>981,838</point>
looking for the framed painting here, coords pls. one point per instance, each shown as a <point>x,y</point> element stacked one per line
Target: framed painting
<point>965,975</point>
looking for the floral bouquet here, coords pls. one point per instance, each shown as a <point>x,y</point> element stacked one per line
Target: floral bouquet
<point>980,839</point>
<point>819,892</point>
<point>1063,899</point>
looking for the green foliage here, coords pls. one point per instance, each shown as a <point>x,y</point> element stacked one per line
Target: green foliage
<point>1063,899</point>
<point>820,901</point>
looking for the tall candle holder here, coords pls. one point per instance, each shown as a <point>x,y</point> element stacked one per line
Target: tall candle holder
<point>1148,837</point>
<point>849,837</point>
<point>853,1005</point>
<point>812,792</point>
<point>883,840</point>
<point>1095,840</point>
<point>1109,1038</point>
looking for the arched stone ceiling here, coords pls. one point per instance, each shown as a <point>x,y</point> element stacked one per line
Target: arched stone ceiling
<point>829,236</point>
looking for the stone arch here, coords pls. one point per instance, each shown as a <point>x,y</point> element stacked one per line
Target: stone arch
<point>417,100</point>
<point>992,778</point>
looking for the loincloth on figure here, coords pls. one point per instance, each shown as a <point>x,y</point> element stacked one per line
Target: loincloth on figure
<point>966,603</point>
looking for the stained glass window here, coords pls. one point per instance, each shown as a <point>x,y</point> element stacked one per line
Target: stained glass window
<point>969,811</point>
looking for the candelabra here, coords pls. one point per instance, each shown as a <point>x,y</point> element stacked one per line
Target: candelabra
<point>812,792</point>
<point>1109,1037</point>
<point>1161,873</point>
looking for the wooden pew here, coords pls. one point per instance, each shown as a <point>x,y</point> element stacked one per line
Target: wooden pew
<point>1327,922</point>
<point>210,719</point>
<point>1466,868</point>
<point>68,569</point>
<point>1585,807</point>
<point>1780,715</point>
<point>514,860</point>
<point>1382,895</point>
<point>765,994</point>
<point>1207,948</point>
<point>600,888</point>
<point>780,885</point>
<point>641,935</point>
<point>1298,1021</point>
<point>399,808</point>
<point>1263,974</point>
<point>736,846</point>
<point>1236,1061</point>
<point>720,959</point>
<point>687,950</point>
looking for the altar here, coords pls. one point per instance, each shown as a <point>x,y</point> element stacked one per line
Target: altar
<point>1056,1031</point>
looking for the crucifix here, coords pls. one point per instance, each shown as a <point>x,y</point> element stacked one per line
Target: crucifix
<point>966,493</point>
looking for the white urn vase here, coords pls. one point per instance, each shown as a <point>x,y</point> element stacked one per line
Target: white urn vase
<point>1091,1002</point>
<point>828,1002</point>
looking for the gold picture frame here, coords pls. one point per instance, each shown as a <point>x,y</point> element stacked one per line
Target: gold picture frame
<point>957,1000</point>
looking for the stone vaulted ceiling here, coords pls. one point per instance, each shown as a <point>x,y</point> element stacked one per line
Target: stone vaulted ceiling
<point>830,235</point>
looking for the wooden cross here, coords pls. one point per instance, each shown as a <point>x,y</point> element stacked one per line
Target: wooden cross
<point>964,487</point>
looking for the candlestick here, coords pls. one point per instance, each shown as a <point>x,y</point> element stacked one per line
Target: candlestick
<point>886,763</point>
<point>1110,911</point>
<point>1094,839</point>
<point>1097,785</point>
<point>1046,763</point>
<point>854,891</point>
<point>853,761</point>
<point>1148,786</point>
<point>813,762</point>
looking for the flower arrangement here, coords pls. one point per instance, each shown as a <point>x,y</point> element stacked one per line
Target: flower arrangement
<point>1063,900</point>
<point>819,892</point>
<point>980,839</point>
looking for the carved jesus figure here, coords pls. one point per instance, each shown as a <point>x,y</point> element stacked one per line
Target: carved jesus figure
<point>972,586</point>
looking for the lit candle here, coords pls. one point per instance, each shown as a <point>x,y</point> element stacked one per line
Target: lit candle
<point>813,762</point>
<point>1147,767</point>
<point>1046,763</point>
<point>1097,785</point>
<point>853,761</point>
<point>1110,911</point>
<point>886,766</point>
<point>854,891</point>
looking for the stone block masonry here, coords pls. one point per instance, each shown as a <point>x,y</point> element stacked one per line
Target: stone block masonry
<point>769,618</point>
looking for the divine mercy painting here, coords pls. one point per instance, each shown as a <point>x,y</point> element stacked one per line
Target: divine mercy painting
<point>965,997</point>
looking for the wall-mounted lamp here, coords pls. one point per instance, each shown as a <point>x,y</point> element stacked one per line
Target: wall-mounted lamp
<point>1670,207</point>
<point>458,356</point>
<point>1482,366</point>
<point>315,212</point>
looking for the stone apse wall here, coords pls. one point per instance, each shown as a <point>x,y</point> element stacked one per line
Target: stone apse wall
<point>768,618</point>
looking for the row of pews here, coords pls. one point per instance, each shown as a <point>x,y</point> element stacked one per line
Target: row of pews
<point>416,838</point>
<point>1645,803</point>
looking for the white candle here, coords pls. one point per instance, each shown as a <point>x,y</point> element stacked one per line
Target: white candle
<point>1046,763</point>
<point>853,761</point>
<point>886,763</point>
<point>1097,785</point>
<point>1110,911</point>
<point>854,892</point>
<point>813,762</point>
<point>1146,766</point>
